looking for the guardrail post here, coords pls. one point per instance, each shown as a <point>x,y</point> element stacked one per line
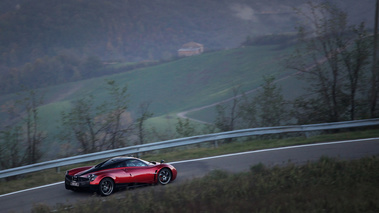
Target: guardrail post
<point>306,134</point>
<point>216,144</point>
<point>58,169</point>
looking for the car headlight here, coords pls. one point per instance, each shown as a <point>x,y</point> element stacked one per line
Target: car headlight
<point>91,177</point>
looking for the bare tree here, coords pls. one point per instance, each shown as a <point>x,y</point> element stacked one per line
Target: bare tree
<point>117,128</point>
<point>22,138</point>
<point>99,127</point>
<point>332,59</point>
<point>83,124</point>
<point>12,153</point>
<point>227,115</point>
<point>140,122</point>
<point>375,68</point>
<point>355,60</point>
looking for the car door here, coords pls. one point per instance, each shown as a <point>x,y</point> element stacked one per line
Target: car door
<point>123,173</point>
<point>139,172</point>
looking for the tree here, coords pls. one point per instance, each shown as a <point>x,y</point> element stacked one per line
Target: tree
<point>98,127</point>
<point>83,123</point>
<point>34,136</point>
<point>326,59</point>
<point>11,144</point>
<point>355,60</point>
<point>140,122</point>
<point>227,115</point>
<point>116,128</point>
<point>266,108</point>
<point>184,128</point>
<point>21,137</point>
<point>375,68</point>
<point>271,104</point>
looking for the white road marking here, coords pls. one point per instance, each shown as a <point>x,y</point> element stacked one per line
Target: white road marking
<point>31,189</point>
<point>219,156</point>
<point>275,149</point>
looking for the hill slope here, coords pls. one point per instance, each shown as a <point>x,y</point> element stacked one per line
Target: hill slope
<point>189,82</point>
<point>171,87</point>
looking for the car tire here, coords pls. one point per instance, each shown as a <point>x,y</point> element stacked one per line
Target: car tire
<point>106,186</point>
<point>164,176</point>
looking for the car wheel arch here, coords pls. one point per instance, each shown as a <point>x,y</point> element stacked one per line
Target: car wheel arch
<point>109,189</point>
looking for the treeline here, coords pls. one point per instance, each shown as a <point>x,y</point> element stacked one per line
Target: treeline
<point>273,39</point>
<point>63,68</point>
<point>47,71</point>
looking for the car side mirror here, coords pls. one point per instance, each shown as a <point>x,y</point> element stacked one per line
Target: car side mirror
<point>162,161</point>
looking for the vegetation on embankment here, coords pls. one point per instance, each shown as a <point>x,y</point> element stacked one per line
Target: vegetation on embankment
<point>328,185</point>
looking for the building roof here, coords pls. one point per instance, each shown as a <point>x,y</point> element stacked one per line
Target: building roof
<point>192,45</point>
<point>189,49</point>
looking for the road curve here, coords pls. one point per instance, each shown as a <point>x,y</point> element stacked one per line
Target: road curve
<point>53,194</point>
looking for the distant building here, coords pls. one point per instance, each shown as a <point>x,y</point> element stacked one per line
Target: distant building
<point>191,48</point>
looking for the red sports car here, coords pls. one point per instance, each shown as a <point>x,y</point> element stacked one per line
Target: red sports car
<point>119,172</point>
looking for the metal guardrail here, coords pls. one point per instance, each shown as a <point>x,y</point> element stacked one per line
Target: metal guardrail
<point>182,142</point>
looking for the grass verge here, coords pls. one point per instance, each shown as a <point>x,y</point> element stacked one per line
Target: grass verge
<point>185,153</point>
<point>328,185</point>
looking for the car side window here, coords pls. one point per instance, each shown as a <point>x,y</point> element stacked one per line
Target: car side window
<point>121,164</point>
<point>133,163</point>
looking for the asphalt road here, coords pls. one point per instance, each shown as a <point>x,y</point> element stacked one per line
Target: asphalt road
<point>53,194</point>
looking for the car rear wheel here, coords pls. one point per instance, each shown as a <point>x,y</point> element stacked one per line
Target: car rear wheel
<point>164,176</point>
<point>106,186</point>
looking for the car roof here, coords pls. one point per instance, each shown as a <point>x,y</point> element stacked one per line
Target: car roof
<point>113,161</point>
<point>120,158</point>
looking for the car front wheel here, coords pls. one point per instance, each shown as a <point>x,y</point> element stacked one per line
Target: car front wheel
<point>106,186</point>
<point>164,176</point>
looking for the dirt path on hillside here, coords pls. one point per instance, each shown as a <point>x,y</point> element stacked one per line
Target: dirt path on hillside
<point>183,115</point>
<point>64,94</point>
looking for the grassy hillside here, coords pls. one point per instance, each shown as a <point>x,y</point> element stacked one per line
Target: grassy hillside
<point>185,83</point>
<point>171,87</point>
